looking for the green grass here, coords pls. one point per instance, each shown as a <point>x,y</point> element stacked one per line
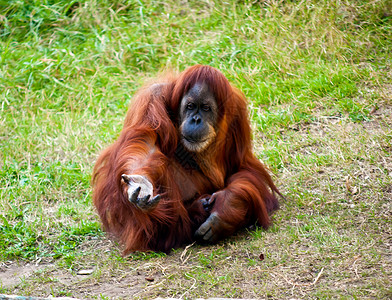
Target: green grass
<point>318,78</point>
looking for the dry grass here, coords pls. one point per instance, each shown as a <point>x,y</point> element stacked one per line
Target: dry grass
<point>317,75</point>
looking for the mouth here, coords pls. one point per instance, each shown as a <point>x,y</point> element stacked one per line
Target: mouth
<point>193,141</point>
<point>195,145</point>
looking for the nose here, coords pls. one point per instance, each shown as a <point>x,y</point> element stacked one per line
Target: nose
<point>196,119</point>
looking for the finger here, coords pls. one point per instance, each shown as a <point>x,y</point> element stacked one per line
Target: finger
<point>212,199</point>
<point>208,235</point>
<point>204,233</point>
<point>135,194</point>
<point>206,207</point>
<point>208,203</point>
<point>126,178</point>
<point>142,202</point>
<point>204,202</point>
<point>207,231</point>
<point>154,201</point>
<point>206,199</point>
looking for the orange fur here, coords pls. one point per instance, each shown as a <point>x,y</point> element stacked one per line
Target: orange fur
<point>147,145</point>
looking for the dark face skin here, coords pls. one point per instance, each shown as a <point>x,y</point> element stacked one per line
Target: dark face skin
<point>198,118</point>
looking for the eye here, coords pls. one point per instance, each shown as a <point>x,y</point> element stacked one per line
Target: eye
<point>206,107</point>
<point>190,106</point>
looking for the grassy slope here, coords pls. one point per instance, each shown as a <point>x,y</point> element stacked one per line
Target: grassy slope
<point>318,77</point>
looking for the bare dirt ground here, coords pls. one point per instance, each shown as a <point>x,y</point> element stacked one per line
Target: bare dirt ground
<point>81,283</point>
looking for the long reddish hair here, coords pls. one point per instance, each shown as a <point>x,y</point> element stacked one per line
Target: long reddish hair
<point>152,119</point>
